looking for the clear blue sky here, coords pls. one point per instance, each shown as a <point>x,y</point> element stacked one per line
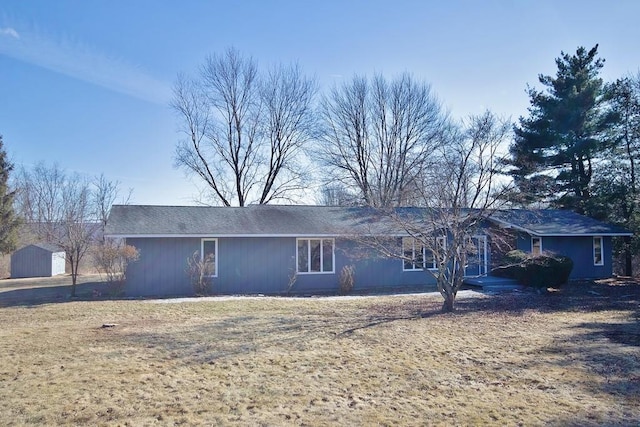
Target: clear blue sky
<point>86,84</point>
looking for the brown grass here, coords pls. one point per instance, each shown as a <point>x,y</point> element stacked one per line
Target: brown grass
<point>565,358</point>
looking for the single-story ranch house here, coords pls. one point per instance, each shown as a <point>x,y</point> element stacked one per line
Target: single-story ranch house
<point>274,249</point>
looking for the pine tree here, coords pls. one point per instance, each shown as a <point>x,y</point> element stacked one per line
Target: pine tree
<point>8,221</point>
<point>555,148</point>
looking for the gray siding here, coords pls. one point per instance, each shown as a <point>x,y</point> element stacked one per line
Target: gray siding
<point>161,269</point>
<point>251,265</point>
<point>33,261</point>
<point>580,250</point>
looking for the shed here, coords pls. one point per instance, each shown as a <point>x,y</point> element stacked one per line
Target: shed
<point>37,260</point>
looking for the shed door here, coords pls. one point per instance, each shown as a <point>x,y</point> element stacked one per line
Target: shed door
<point>476,264</point>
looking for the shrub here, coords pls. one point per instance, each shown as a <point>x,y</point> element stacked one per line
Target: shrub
<point>113,257</point>
<point>544,270</point>
<point>347,279</point>
<point>200,272</point>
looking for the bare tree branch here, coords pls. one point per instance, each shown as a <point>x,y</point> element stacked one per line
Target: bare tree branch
<point>377,136</point>
<point>245,130</point>
<point>456,199</point>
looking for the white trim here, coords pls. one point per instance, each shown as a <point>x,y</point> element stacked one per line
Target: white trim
<point>482,254</point>
<point>201,235</point>
<point>424,254</point>
<point>541,250</point>
<point>215,258</point>
<point>415,265</point>
<point>333,255</point>
<point>346,236</point>
<point>582,235</point>
<point>601,263</point>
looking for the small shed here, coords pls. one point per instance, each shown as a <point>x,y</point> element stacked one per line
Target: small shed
<point>37,260</point>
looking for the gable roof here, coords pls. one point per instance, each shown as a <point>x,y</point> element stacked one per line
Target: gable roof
<point>254,221</point>
<point>316,221</point>
<point>45,247</point>
<point>555,222</point>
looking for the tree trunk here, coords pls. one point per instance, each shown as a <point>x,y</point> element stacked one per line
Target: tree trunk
<point>74,278</point>
<point>628,257</point>
<point>449,305</point>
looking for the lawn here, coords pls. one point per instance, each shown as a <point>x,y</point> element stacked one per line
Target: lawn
<point>570,357</point>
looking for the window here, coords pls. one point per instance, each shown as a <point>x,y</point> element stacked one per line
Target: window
<point>536,245</point>
<point>598,259</point>
<point>413,254</point>
<point>209,250</point>
<point>315,255</point>
<point>417,257</point>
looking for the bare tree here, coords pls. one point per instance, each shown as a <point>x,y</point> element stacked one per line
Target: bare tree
<point>456,198</point>
<point>111,256</point>
<point>378,135</point>
<point>59,207</point>
<point>105,193</point>
<point>335,195</point>
<point>66,210</point>
<point>245,131</point>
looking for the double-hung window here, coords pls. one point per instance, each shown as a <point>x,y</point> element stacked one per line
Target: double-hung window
<point>418,257</point>
<point>315,255</point>
<point>598,258</point>
<point>209,254</point>
<point>412,254</point>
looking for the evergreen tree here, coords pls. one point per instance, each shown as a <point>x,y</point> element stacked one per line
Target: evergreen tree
<point>616,183</point>
<point>8,221</point>
<point>554,149</point>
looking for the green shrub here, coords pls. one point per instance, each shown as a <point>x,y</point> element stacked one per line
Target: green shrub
<point>544,270</point>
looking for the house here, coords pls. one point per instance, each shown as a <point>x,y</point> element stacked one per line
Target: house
<point>586,241</point>
<point>37,260</point>
<point>274,249</point>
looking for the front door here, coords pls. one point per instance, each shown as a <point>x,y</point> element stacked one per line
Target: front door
<point>476,264</point>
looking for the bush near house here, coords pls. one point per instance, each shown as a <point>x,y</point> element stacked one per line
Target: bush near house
<point>347,279</point>
<point>544,270</point>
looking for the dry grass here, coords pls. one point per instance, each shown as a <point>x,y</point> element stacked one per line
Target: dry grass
<point>565,358</point>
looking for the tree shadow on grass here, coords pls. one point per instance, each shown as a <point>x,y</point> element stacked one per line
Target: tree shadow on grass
<point>38,295</point>
<point>610,295</point>
<point>579,296</point>
<point>214,341</point>
<point>607,355</point>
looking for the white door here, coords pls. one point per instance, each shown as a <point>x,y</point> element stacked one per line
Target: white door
<point>476,264</point>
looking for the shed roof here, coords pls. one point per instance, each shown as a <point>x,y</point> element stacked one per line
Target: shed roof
<point>48,247</point>
<point>301,220</point>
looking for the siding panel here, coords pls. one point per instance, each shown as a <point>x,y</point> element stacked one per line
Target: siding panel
<point>251,265</point>
<point>580,250</point>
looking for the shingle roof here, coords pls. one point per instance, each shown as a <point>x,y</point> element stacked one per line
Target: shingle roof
<point>259,220</point>
<point>300,220</point>
<point>45,246</point>
<point>555,222</point>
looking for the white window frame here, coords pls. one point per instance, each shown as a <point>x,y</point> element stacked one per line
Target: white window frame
<point>601,245</point>
<point>322,240</point>
<point>533,246</point>
<point>215,258</point>
<point>415,266</point>
<point>440,240</point>
<point>481,257</point>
